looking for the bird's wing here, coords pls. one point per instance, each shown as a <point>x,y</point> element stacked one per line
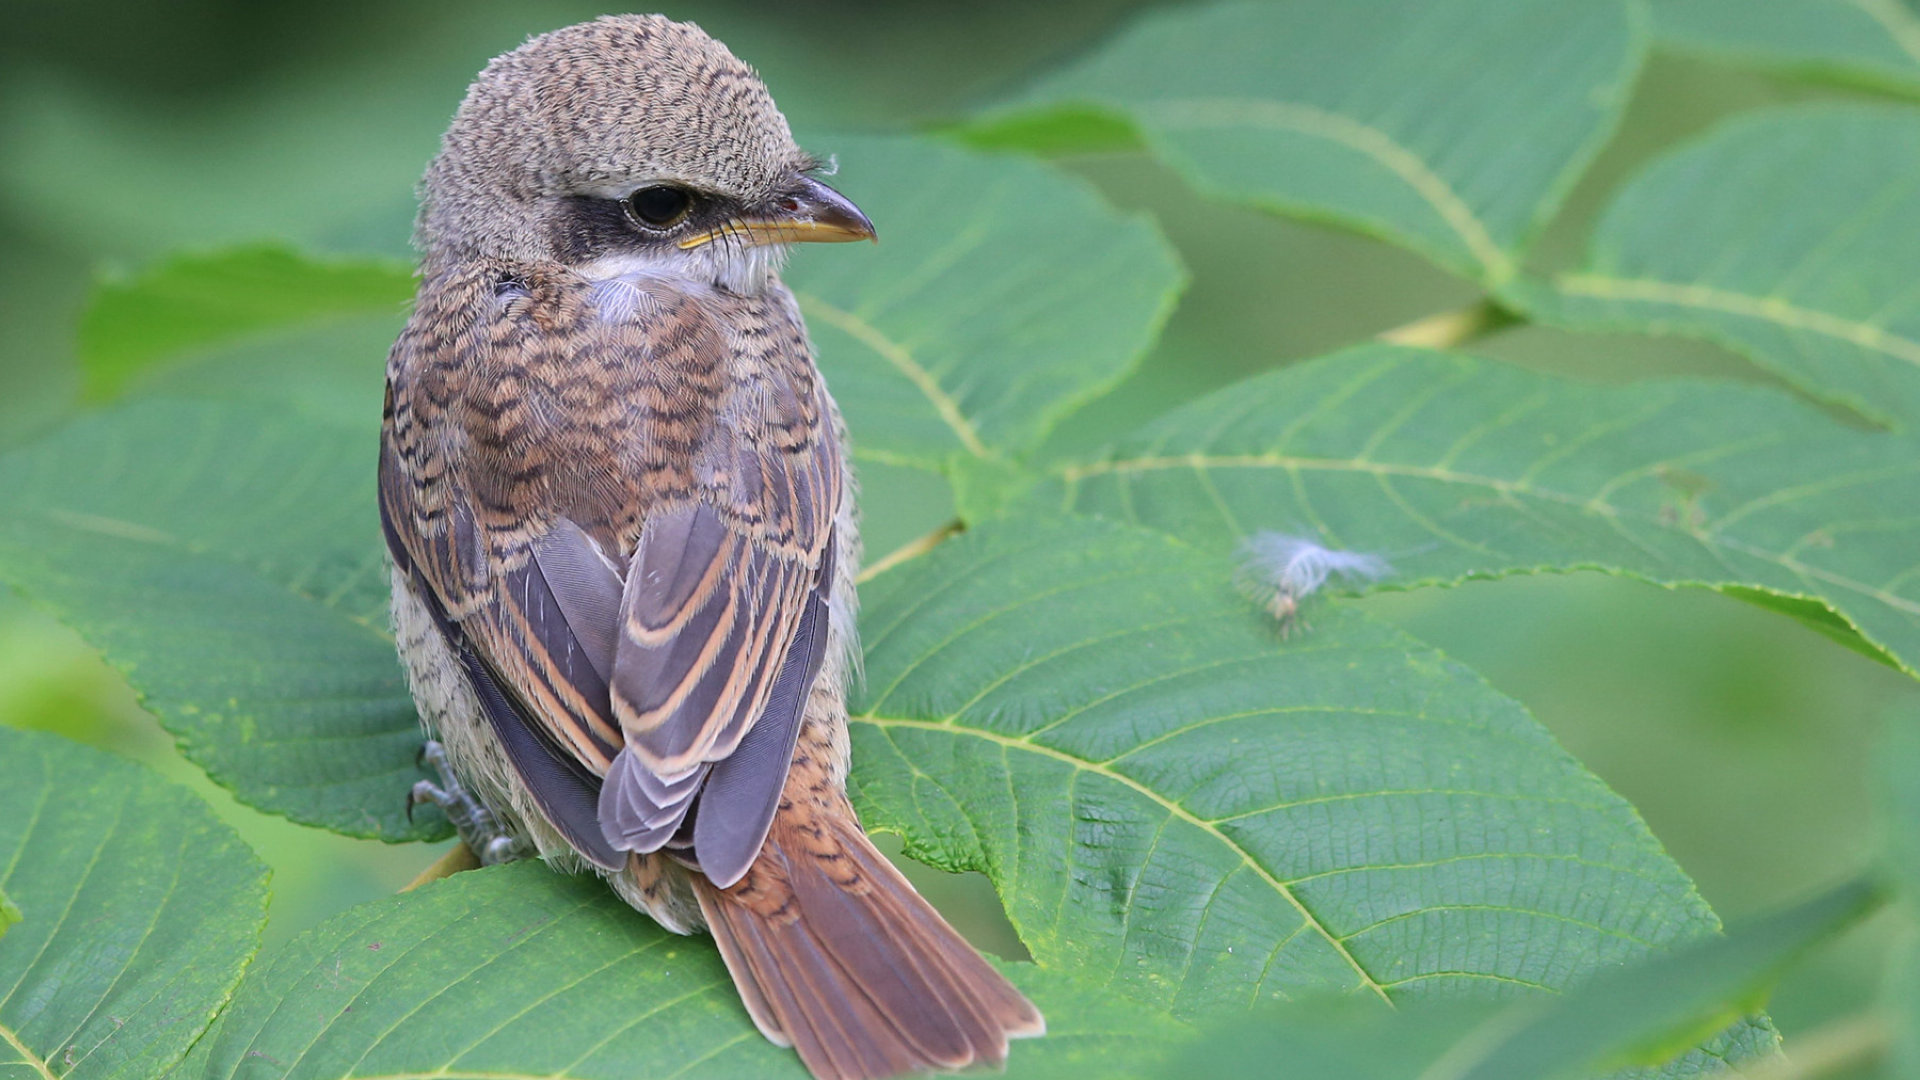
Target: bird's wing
<point>722,632</point>
<point>623,692</point>
<point>534,677</point>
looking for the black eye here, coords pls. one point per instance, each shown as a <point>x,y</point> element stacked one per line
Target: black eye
<point>660,207</point>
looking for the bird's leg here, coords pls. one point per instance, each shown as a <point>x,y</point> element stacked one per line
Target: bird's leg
<point>472,820</point>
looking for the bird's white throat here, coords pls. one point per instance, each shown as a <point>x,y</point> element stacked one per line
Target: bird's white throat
<point>736,267</point>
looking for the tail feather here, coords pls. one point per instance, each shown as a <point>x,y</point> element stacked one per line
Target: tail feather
<point>836,955</point>
<point>789,977</point>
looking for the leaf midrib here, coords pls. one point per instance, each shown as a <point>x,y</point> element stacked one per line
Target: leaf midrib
<point>902,361</point>
<point>39,1063</point>
<point>1174,809</point>
<point>1777,310</point>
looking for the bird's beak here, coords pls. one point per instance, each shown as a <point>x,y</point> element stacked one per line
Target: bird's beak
<point>808,212</point>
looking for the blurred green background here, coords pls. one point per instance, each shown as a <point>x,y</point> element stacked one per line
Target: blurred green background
<point>129,129</point>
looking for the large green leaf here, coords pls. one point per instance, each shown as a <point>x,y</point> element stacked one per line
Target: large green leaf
<point>1002,295</point>
<point>517,971</point>
<point>1873,43</point>
<point>1453,127</point>
<point>1783,235</point>
<point>1177,805</point>
<point>1174,807</point>
<point>227,559</point>
<point>1455,468</point>
<point>1408,804</point>
<point>141,910</point>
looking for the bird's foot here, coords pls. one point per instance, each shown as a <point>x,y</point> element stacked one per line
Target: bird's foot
<point>470,818</point>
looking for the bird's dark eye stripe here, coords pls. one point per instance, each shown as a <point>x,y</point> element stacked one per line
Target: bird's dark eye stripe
<point>660,206</point>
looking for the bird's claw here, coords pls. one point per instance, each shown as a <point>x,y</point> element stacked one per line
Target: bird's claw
<point>501,849</point>
<point>468,816</point>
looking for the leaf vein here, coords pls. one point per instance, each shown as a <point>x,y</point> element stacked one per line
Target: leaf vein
<point>1081,765</point>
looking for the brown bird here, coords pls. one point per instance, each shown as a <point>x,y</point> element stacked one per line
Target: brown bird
<point>616,495</point>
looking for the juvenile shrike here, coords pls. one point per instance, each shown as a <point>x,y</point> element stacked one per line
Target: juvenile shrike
<point>621,517</point>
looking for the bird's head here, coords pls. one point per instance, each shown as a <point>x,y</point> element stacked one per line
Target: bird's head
<point>631,144</point>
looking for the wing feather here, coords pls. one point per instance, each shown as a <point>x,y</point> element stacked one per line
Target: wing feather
<point>744,788</point>
<point>587,588</point>
<point>564,788</point>
<point>639,811</point>
<point>687,696</point>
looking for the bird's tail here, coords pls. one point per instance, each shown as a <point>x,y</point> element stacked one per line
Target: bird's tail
<point>836,955</point>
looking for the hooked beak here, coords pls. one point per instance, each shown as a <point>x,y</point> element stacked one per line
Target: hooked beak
<point>808,212</point>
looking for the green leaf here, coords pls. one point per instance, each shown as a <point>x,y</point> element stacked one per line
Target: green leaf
<point>227,559</point>
<point>1177,805</point>
<point>1455,468</point>
<point>518,971</point>
<point>1871,43</point>
<point>1453,127</point>
<point>1781,235</point>
<point>1638,1017</point>
<point>142,911</point>
<point>196,300</point>
<point>1002,295</point>
<point>9,913</point>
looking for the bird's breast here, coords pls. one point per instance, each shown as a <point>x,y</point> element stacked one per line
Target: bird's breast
<point>599,399</point>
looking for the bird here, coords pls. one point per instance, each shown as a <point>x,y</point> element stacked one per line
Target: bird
<point>620,519</point>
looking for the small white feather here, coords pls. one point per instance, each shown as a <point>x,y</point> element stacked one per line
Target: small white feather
<point>1281,571</point>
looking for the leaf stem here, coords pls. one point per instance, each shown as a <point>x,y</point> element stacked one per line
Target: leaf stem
<point>913,549</point>
<point>1843,1044</point>
<point>458,857</point>
<point>1447,329</point>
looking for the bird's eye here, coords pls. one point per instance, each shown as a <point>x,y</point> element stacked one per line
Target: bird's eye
<point>661,206</point>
